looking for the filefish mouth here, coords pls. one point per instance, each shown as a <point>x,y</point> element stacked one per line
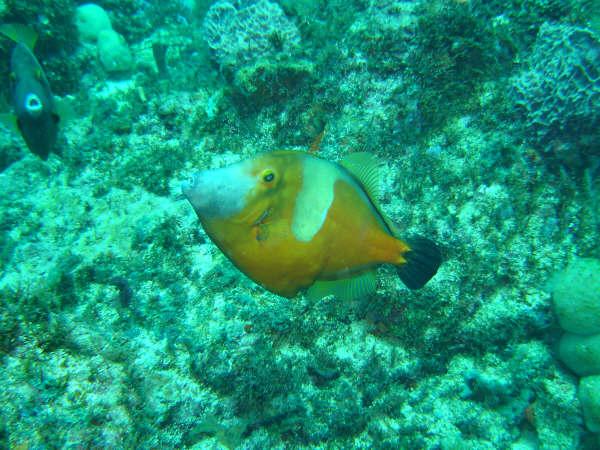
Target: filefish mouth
<point>183,186</point>
<point>188,185</point>
<point>191,192</point>
<point>218,192</point>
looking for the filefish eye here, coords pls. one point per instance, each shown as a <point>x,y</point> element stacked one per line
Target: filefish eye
<point>33,105</point>
<point>268,176</point>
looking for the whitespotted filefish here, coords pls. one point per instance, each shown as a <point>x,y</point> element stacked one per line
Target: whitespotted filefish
<point>292,221</point>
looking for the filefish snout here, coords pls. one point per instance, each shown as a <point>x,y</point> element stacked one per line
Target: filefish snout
<point>189,184</point>
<point>218,193</point>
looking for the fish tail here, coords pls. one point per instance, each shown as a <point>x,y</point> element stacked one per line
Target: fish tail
<point>423,258</point>
<point>21,34</point>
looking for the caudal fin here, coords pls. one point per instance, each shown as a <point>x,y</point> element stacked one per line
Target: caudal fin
<point>422,262</point>
<point>21,34</point>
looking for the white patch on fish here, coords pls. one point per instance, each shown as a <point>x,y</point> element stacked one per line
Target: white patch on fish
<point>314,199</point>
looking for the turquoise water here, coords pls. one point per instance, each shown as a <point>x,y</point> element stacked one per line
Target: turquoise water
<point>122,325</point>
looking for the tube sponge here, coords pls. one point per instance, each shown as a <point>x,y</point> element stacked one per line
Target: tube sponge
<point>576,293</point>
<point>581,354</point>
<point>90,20</point>
<point>113,52</point>
<point>589,395</point>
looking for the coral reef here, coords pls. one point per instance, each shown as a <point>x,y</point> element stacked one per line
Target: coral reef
<point>576,295</point>
<point>560,91</point>
<point>90,20</point>
<point>258,47</point>
<point>123,326</point>
<point>244,31</point>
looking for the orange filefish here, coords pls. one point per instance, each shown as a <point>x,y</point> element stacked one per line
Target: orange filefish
<point>292,221</point>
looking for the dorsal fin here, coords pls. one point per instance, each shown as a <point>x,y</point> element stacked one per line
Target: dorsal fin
<point>365,168</point>
<point>345,289</point>
<point>21,34</point>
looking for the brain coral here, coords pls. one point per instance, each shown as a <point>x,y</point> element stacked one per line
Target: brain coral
<point>559,93</point>
<point>242,31</point>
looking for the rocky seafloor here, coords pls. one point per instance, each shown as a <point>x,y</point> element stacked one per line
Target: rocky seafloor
<point>123,326</point>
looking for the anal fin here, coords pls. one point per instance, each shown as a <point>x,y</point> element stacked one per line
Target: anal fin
<point>345,289</point>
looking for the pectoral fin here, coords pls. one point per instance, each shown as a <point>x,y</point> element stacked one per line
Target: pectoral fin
<point>65,111</point>
<point>10,121</point>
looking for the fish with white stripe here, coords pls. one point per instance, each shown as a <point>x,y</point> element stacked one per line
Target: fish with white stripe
<point>292,222</point>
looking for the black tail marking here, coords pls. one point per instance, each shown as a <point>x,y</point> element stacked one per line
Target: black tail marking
<point>422,262</point>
